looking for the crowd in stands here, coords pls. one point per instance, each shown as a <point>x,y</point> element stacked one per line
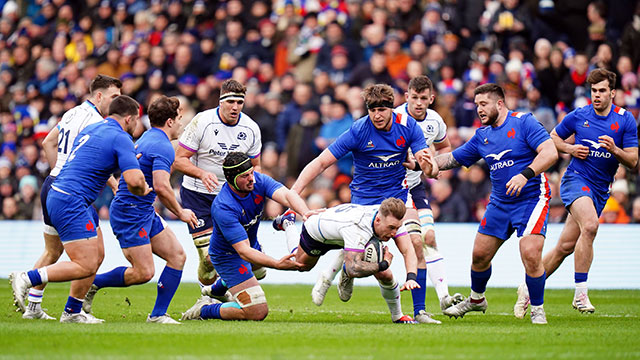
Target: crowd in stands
<point>304,63</point>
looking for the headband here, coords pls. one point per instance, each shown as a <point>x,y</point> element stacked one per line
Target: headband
<point>378,104</point>
<point>232,96</point>
<point>232,172</point>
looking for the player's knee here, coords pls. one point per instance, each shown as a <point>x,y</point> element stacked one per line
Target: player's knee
<point>306,267</point>
<point>178,259</point>
<point>566,248</point>
<point>256,312</point>
<point>590,228</point>
<point>430,238</point>
<point>481,258</point>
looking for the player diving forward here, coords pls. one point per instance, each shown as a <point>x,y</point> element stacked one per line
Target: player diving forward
<point>350,227</point>
<point>419,219</point>
<point>517,150</point>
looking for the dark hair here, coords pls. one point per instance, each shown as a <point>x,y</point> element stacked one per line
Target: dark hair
<point>394,207</point>
<point>377,93</point>
<point>598,75</point>
<point>420,84</point>
<point>232,86</point>
<point>103,82</point>
<point>124,105</point>
<point>162,109</point>
<point>490,88</point>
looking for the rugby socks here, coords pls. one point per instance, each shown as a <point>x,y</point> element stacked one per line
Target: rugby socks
<point>391,294</point>
<point>435,265</point>
<point>331,272</point>
<point>113,278</point>
<point>210,311</point>
<point>581,283</point>
<point>536,289</point>
<point>479,281</point>
<point>73,305</point>
<point>35,299</point>
<point>38,276</point>
<point>219,288</point>
<point>293,237</point>
<point>167,286</point>
<point>419,294</point>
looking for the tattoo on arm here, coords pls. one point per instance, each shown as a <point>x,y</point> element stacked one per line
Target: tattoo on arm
<point>356,266</point>
<point>447,161</point>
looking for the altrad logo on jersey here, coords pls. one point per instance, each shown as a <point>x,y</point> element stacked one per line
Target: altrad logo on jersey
<point>597,146</point>
<point>500,164</point>
<point>386,161</point>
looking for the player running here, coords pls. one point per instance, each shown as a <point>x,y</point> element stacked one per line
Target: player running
<point>517,150</point>
<point>419,219</point>
<point>605,135</point>
<point>99,150</point>
<point>139,229</point>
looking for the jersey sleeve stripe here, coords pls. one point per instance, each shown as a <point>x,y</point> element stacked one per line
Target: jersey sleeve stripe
<point>440,140</point>
<point>255,156</point>
<point>186,147</point>
<point>401,234</point>
<point>354,250</point>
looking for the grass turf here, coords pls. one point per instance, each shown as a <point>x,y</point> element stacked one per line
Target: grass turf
<point>297,329</point>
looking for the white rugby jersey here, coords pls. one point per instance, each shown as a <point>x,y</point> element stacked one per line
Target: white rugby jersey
<point>434,130</point>
<point>347,225</point>
<point>211,140</point>
<point>71,124</point>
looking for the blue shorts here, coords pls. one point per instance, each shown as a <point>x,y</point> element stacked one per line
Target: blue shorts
<point>232,268</point>
<point>527,217</point>
<point>418,198</point>
<point>200,204</point>
<point>46,186</point>
<point>131,228</point>
<point>574,186</point>
<point>72,216</point>
<point>355,199</point>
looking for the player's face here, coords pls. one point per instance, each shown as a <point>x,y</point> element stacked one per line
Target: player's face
<point>107,97</point>
<point>386,226</point>
<point>418,103</point>
<point>487,108</point>
<point>131,124</point>
<point>246,181</point>
<point>381,118</point>
<point>601,96</point>
<point>230,111</point>
<point>176,126</point>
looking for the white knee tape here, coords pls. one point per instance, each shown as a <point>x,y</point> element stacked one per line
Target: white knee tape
<point>50,230</point>
<point>412,226</point>
<point>250,296</point>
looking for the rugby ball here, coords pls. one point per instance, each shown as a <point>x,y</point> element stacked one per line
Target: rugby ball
<point>373,252</point>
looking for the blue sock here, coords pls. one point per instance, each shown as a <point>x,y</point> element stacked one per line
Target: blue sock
<point>210,311</point>
<point>578,277</point>
<point>34,277</point>
<point>219,288</point>
<point>167,286</point>
<point>73,305</point>
<point>479,280</point>
<point>113,278</point>
<point>536,289</point>
<point>418,295</point>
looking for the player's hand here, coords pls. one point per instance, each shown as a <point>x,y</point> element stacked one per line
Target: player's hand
<point>515,185</point>
<point>310,213</point>
<point>139,156</point>
<point>386,254</point>
<point>147,189</point>
<point>579,151</point>
<point>410,285</point>
<point>189,217</point>
<point>409,162</point>
<point>209,180</point>
<point>607,142</point>
<point>288,262</point>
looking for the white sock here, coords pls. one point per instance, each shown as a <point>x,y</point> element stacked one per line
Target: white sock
<point>391,294</point>
<point>331,271</point>
<point>43,275</point>
<point>35,295</point>
<point>293,237</point>
<point>436,272</point>
<point>476,295</point>
<point>581,288</point>
<point>536,307</point>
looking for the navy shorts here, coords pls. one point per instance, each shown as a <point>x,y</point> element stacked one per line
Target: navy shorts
<point>232,268</point>
<point>133,228</point>
<point>527,217</point>
<point>46,186</point>
<point>72,216</point>
<point>200,204</point>
<point>418,198</point>
<point>574,186</point>
<point>313,247</point>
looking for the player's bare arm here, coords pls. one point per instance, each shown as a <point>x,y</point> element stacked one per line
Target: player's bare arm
<point>427,163</point>
<point>165,193</point>
<point>50,147</point>
<point>356,267</point>
<point>627,156</point>
<point>112,183</point>
<point>403,242</point>
<point>247,253</point>
<point>313,169</point>
<point>291,199</point>
<point>256,163</point>
<point>568,147</point>
<point>136,183</point>
<point>443,146</point>
<point>547,156</point>
<point>184,165</point>
<point>446,161</point>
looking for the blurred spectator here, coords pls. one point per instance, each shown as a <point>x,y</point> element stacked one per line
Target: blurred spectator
<point>449,205</point>
<point>372,72</point>
<point>338,121</point>
<point>635,211</point>
<point>292,113</point>
<point>301,148</point>
<point>631,37</point>
<point>613,213</point>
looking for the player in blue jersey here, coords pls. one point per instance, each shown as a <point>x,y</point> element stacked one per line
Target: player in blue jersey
<point>236,213</point>
<point>57,146</point>
<point>517,150</point>
<point>604,136</point>
<point>139,229</point>
<point>379,143</point>
<point>99,150</point>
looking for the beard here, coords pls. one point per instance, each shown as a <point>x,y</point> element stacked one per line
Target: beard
<point>491,117</point>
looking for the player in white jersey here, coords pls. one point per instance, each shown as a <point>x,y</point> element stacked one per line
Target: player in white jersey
<point>350,227</point>
<point>205,142</point>
<point>419,218</point>
<point>57,146</point>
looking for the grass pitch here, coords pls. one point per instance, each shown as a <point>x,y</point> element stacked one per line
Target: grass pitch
<point>297,329</point>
